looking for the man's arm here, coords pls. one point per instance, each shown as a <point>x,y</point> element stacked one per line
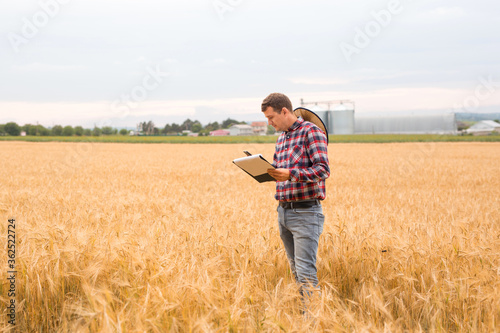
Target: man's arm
<point>279,174</point>
<point>317,151</point>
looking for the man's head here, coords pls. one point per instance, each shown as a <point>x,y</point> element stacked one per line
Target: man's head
<point>279,112</point>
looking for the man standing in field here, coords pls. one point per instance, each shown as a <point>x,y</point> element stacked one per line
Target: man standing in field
<point>301,162</point>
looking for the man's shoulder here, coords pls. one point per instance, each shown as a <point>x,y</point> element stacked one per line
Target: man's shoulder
<point>311,128</point>
<point>307,124</point>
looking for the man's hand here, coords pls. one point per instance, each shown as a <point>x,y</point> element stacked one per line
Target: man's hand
<point>279,174</point>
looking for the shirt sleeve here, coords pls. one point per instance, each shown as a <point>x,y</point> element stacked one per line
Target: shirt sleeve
<point>317,152</point>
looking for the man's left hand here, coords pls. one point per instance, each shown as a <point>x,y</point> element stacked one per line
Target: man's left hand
<point>279,174</point>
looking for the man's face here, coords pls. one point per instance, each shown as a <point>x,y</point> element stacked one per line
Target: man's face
<point>276,120</point>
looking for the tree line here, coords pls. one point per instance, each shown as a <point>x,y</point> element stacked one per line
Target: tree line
<point>145,128</point>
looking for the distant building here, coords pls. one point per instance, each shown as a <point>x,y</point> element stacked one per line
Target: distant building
<point>241,130</point>
<point>23,133</point>
<point>338,120</point>
<point>406,123</point>
<point>259,127</point>
<point>220,132</point>
<point>484,127</point>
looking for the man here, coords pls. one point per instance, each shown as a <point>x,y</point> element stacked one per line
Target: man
<point>301,162</point>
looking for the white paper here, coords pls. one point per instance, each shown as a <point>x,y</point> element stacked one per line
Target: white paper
<point>254,165</point>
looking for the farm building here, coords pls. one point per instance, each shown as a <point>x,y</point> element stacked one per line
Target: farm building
<point>259,127</point>
<point>484,127</point>
<point>339,118</point>
<point>220,132</point>
<point>241,130</point>
<point>406,123</point>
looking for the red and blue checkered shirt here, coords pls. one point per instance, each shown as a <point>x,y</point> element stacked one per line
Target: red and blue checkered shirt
<point>302,150</point>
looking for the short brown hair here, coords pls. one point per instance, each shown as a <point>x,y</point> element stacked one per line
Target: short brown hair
<point>277,101</point>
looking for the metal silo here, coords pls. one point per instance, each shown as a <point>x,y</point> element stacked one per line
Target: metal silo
<point>323,114</point>
<point>341,119</point>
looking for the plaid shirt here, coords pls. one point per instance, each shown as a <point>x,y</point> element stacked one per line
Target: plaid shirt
<point>302,150</point>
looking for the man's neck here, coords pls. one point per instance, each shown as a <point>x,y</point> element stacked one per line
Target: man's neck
<point>291,122</point>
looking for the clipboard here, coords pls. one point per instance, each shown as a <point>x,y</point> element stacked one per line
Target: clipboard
<point>256,166</point>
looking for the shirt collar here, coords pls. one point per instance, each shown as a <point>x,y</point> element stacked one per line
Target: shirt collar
<point>296,124</point>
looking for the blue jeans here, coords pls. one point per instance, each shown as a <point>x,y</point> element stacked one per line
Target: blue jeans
<point>300,229</point>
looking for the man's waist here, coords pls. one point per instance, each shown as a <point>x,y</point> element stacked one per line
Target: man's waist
<point>299,204</point>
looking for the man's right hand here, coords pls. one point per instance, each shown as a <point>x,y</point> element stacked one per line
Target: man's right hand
<point>279,174</point>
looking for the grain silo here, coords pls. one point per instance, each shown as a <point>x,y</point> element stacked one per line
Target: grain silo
<point>322,113</point>
<point>342,119</point>
<point>338,119</point>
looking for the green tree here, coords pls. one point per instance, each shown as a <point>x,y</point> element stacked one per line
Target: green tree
<point>68,131</point>
<point>212,126</point>
<point>147,128</point>
<point>57,130</point>
<point>12,129</point>
<point>270,130</point>
<point>228,122</point>
<point>123,131</point>
<point>175,128</point>
<point>27,128</point>
<point>204,132</point>
<point>96,131</point>
<point>40,130</point>
<point>165,129</point>
<point>78,130</point>
<point>107,130</point>
<point>197,127</point>
<point>31,129</point>
<point>187,124</point>
<point>87,132</point>
<point>2,129</point>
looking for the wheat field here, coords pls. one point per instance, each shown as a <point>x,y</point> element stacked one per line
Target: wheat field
<point>175,238</point>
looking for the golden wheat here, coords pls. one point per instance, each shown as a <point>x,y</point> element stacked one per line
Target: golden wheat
<point>159,237</point>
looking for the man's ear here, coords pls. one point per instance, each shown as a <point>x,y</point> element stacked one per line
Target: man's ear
<point>283,110</point>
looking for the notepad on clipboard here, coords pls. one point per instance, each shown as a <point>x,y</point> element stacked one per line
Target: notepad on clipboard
<point>256,166</point>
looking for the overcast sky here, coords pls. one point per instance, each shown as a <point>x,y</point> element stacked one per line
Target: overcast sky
<point>113,62</point>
